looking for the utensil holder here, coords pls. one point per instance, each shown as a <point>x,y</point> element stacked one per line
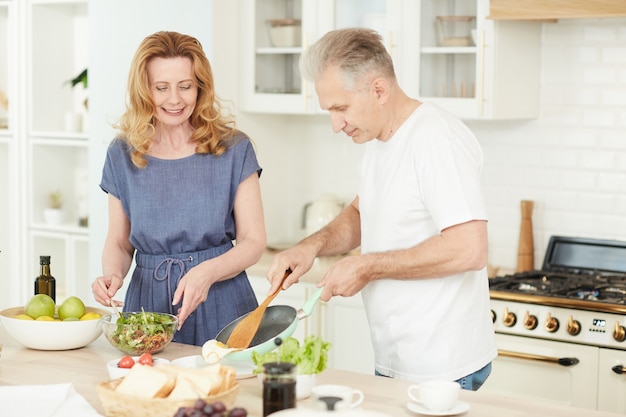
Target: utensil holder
<point>526,247</point>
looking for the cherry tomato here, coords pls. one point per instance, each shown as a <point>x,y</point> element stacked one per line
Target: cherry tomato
<point>126,362</point>
<point>146,359</point>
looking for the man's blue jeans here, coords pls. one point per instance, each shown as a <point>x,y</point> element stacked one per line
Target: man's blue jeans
<point>470,382</point>
<point>474,381</point>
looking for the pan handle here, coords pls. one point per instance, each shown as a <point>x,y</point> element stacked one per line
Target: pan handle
<point>308,306</point>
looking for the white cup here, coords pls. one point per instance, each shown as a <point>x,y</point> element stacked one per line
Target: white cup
<point>350,397</point>
<point>435,395</point>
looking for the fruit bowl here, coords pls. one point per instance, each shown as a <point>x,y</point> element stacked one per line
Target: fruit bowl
<point>52,335</point>
<point>135,333</point>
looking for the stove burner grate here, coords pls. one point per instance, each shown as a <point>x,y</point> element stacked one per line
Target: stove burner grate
<point>597,287</point>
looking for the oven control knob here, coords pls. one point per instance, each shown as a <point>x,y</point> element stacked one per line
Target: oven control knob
<point>552,324</point>
<point>493,316</point>
<point>530,321</point>
<point>509,318</point>
<point>573,326</point>
<point>619,333</point>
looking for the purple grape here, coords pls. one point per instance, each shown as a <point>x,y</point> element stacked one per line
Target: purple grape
<point>238,412</point>
<point>180,412</point>
<point>219,407</point>
<point>203,409</point>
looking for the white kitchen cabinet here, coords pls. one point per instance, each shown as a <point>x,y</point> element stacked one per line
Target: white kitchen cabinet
<point>495,77</point>
<point>270,80</point>
<point>612,384</point>
<point>344,323</point>
<point>43,46</point>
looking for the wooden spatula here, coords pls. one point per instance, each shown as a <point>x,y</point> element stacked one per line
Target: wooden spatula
<point>244,332</point>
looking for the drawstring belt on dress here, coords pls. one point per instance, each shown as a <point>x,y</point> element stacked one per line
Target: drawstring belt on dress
<point>168,273</point>
<point>184,262</point>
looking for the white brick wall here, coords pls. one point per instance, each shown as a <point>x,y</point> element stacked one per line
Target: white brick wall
<point>572,160</point>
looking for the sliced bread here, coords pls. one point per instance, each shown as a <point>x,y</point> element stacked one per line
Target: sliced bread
<point>146,381</point>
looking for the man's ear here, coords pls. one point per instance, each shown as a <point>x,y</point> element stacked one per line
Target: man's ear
<point>380,87</point>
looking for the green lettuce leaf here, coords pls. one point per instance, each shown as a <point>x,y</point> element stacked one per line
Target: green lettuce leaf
<point>310,357</point>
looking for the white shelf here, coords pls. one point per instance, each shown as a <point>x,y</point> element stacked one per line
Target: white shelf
<point>59,139</point>
<point>46,46</point>
<point>449,50</point>
<point>64,228</point>
<point>278,51</point>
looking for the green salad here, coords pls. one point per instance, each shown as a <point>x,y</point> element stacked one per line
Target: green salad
<point>138,333</point>
<point>310,358</point>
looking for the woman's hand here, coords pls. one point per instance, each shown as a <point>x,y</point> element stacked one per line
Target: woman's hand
<point>193,289</point>
<point>104,289</point>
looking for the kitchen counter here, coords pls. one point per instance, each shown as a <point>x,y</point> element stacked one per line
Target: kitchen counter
<point>86,367</point>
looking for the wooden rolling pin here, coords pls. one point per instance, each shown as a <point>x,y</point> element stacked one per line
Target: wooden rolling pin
<point>526,247</point>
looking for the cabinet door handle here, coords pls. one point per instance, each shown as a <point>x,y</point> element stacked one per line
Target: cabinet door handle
<point>619,369</point>
<point>540,358</point>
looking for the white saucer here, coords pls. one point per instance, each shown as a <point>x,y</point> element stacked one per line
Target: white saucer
<point>244,368</point>
<point>459,408</point>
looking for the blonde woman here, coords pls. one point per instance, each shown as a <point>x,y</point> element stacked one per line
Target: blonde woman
<point>182,184</point>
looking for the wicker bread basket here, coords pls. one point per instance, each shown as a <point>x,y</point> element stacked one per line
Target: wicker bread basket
<point>117,404</point>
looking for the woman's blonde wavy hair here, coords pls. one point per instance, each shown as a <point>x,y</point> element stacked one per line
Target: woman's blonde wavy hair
<point>212,129</point>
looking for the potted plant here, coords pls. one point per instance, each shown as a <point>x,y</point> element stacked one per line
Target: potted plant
<point>54,213</point>
<point>310,358</point>
<point>80,79</point>
<point>73,119</point>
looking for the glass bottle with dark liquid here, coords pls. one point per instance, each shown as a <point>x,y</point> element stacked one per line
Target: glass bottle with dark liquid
<point>45,282</point>
<point>279,387</point>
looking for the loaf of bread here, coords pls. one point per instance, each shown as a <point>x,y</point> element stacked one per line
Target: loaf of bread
<point>175,382</point>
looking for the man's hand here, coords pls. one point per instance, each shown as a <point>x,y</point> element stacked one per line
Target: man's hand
<point>298,258</point>
<point>346,277</point>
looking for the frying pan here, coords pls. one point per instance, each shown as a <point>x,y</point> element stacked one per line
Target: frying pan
<point>278,321</point>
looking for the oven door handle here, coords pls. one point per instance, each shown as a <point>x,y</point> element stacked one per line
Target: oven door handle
<point>541,358</point>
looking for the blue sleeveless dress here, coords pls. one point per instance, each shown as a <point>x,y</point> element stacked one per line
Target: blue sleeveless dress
<point>181,214</point>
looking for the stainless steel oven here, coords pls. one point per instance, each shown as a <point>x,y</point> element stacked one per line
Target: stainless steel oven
<point>561,330</point>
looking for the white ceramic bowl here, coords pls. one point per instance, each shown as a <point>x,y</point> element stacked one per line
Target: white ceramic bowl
<point>304,386</point>
<point>52,335</point>
<point>117,372</point>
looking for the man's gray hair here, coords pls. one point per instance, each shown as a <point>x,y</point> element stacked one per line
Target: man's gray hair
<point>356,51</point>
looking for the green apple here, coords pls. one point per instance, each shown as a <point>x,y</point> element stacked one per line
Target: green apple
<point>40,305</point>
<point>71,308</point>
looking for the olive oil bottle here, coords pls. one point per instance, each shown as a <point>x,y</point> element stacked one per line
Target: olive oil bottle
<point>45,282</point>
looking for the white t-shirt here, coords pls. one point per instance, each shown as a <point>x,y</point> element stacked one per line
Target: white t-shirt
<point>426,178</point>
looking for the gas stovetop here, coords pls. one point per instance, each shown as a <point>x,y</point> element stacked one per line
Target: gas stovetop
<point>594,287</point>
<point>578,296</point>
<point>576,272</point>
